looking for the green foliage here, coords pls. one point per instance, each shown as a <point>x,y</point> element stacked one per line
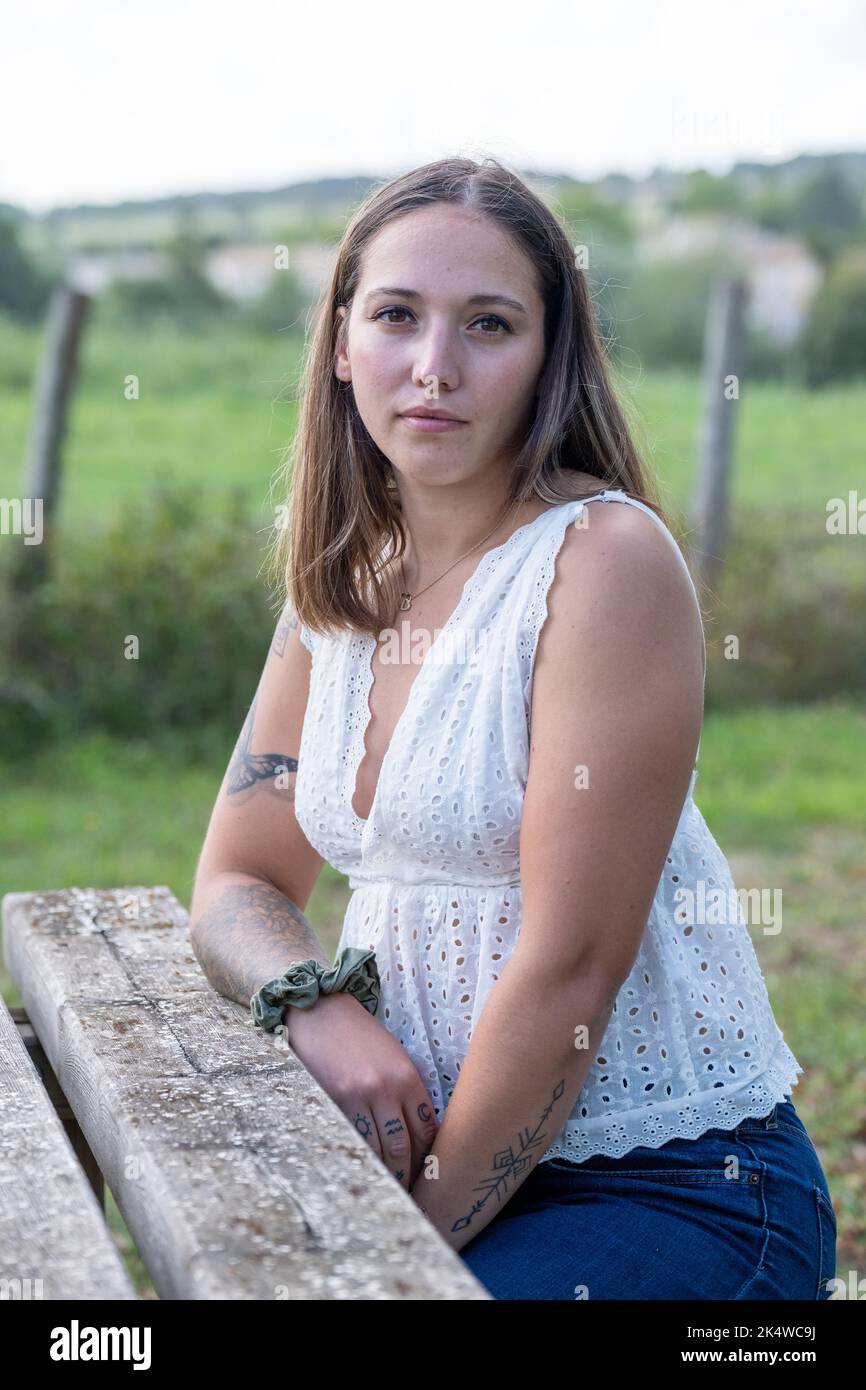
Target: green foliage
<point>19,353</point>
<point>824,209</point>
<point>591,220</point>
<point>768,360</point>
<point>24,287</point>
<point>175,573</point>
<point>281,308</point>
<point>794,598</point>
<point>705,192</point>
<point>834,343</point>
<point>658,311</point>
<point>182,295</point>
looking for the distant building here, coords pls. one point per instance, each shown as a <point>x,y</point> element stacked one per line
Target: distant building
<point>241,271</point>
<point>93,271</point>
<point>780,271</point>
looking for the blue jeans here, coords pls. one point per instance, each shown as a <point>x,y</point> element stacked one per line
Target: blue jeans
<point>678,1222</point>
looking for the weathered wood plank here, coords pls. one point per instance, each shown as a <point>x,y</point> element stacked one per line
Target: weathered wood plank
<point>62,1108</point>
<point>237,1174</point>
<point>54,1243</point>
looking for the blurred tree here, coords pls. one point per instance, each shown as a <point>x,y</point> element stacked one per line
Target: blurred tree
<point>823,209</point>
<point>833,346</point>
<point>280,308</point>
<point>591,220</point>
<point>196,297</point>
<point>24,288</point>
<point>658,311</point>
<point>183,294</point>
<point>828,213</point>
<point>705,192</point>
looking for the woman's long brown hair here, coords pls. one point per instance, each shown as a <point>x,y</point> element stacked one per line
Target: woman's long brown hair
<point>343,504</point>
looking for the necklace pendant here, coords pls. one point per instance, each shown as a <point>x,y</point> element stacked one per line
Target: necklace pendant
<point>405,602</point>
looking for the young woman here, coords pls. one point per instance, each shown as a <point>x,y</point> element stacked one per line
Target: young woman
<point>486,693</point>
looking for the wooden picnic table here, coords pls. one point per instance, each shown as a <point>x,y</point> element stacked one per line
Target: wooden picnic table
<point>236,1174</point>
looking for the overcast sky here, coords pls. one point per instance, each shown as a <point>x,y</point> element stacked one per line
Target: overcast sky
<point>108,99</point>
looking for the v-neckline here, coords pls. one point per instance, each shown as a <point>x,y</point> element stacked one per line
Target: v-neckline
<point>370,643</point>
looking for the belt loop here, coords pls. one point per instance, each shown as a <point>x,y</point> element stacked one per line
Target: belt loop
<point>772,1122</point>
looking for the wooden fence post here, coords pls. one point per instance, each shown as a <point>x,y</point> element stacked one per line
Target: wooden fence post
<point>723,342</point>
<point>54,383</point>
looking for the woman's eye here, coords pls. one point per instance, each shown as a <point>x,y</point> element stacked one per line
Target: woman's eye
<point>494,318</point>
<point>389,311</point>
<point>485,318</point>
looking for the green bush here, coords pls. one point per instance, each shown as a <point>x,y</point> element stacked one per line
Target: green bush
<point>20,345</point>
<point>182,295</point>
<point>834,343</point>
<point>25,286</point>
<point>280,308</point>
<point>187,580</point>
<point>659,311</point>
<point>183,580</point>
<point>768,360</point>
<point>794,597</point>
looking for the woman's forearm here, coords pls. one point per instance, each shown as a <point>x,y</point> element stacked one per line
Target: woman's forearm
<point>245,932</point>
<point>529,1056</point>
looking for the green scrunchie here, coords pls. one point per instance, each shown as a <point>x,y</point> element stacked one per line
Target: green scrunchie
<point>354,972</point>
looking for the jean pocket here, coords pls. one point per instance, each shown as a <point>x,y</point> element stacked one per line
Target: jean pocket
<point>826,1217</point>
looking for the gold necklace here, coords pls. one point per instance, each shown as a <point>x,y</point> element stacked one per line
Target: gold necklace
<point>406,598</point>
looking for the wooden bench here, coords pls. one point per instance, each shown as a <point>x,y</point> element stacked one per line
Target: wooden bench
<point>53,1241</point>
<point>237,1175</point>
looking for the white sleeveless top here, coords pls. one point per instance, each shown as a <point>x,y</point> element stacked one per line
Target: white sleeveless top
<point>691,1043</point>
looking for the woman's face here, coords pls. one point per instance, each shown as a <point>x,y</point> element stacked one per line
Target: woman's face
<point>454,344</point>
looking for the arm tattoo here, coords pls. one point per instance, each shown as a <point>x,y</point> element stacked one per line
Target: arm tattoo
<point>287,622</point>
<point>247,768</point>
<point>506,1164</point>
<point>250,934</point>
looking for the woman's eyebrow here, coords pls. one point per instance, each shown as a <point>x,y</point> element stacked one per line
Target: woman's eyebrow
<point>486,298</point>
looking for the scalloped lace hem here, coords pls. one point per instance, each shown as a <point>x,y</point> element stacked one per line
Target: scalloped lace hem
<point>654,1127</point>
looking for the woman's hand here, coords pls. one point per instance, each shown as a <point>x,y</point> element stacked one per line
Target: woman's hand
<point>369,1074</point>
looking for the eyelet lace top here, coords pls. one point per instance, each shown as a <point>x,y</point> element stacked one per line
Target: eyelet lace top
<point>691,1043</point>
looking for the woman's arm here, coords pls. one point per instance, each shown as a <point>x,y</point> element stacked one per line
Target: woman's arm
<point>245,932</point>
<point>255,876</point>
<point>257,869</point>
<point>617,706</point>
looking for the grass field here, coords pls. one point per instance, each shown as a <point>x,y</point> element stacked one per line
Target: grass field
<point>781,788</point>
<point>217,410</point>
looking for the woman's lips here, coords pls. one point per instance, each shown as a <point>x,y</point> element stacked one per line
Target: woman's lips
<point>429,424</point>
